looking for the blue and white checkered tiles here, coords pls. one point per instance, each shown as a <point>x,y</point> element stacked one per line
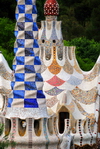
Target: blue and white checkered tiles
<point>27,98</point>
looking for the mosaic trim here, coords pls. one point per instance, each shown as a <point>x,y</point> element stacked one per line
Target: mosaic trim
<point>93,74</point>
<point>76,65</point>
<point>60,45</point>
<point>67,67</point>
<point>77,68</point>
<point>67,125</point>
<point>85,97</point>
<point>49,25</point>
<point>89,129</point>
<point>24,113</point>
<point>43,36</point>
<point>51,102</point>
<point>56,133</point>
<point>4,90</point>
<point>55,81</point>
<point>49,43</point>
<point>43,67</point>
<point>5,74</point>
<point>74,81</point>
<point>51,18</point>
<point>86,146</point>
<point>54,91</point>
<point>54,68</point>
<point>45,132</point>
<point>30,133</point>
<point>80,131</point>
<point>90,116</point>
<point>92,121</point>
<point>53,35</point>
<point>71,107</point>
<point>13,131</point>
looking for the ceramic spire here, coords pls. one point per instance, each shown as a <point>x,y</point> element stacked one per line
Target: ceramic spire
<point>51,7</point>
<point>26,99</point>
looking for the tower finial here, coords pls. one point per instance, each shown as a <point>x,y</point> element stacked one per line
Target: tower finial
<point>51,7</point>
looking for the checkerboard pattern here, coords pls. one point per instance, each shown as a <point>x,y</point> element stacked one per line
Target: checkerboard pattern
<point>27,83</point>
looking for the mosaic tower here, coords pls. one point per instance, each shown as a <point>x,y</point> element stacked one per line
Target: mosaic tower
<point>26,99</point>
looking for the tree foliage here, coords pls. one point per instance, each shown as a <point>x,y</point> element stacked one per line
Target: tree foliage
<point>87,51</point>
<point>80,25</point>
<point>4,142</point>
<point>7,38</point>
<point>79,17</point>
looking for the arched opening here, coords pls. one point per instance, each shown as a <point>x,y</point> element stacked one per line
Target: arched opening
<point>37,127</point>
<point>2,102</point>
<point>7,126</point>
<point>43,41</point>
<point>63,114</point>
<point>54,41</point>
<point>60,53</point>
<point>47,54</point>
<point>22,127</point>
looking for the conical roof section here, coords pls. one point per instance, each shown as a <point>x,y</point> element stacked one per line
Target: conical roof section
<point>51,7</point>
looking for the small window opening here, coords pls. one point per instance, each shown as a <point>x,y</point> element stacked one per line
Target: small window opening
<point>43,41</point>
<point>7,126</point>
<point>60,56</point>
<point>22,127</point>
<point>62,117</point>
<point>48,56</point>
<point>54,41</point>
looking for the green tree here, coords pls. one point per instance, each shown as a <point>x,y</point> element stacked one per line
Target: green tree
<point>4,143</point>
<point>7,39</point>
<point>82,12</point>
<point>93,31</point>
<point>40,10</point>
<point>70,26</point>
<point>80,18</point>
<point>9,56</point>
<point>7,34</point>
<point>87,51</point>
